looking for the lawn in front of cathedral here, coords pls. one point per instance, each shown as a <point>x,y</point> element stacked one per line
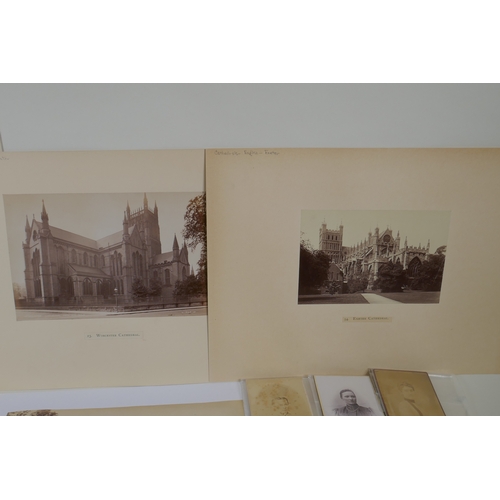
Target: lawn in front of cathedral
<point>406,297</point>
<point>413,297</point>
<point>345,298</point>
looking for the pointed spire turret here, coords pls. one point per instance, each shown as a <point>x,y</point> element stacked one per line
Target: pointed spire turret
<point>175,248</point>
<point>27,229</point>
<point>125,223</point>
<point>128,210</point>
<point>145,202</point>
<point>45,217</point>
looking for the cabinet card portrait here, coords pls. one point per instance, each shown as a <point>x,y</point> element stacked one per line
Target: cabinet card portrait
<point>435,309</point>
<point>278,397</point>
<point>95,259</point>
<point>406,393</point>
<point>347,396</point>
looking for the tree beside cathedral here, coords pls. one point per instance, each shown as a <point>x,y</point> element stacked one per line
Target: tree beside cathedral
<point>195,233</point>
<point>140,291</point>
<point>313,269</point>
<point>391,278</point>
<point>430,275</point>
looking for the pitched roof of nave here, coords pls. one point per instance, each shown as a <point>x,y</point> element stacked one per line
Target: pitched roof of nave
<point>93,272</point>
<point>62,234</point>
<point>162,257</point>
<point>112,239</point>
<point>169,257</point>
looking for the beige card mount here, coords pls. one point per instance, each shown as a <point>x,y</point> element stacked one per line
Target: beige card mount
<point>256,201</point>
<point>76,230</point>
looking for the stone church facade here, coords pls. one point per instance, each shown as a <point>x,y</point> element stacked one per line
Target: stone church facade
<point>372,253</point>
<point>62,267</point>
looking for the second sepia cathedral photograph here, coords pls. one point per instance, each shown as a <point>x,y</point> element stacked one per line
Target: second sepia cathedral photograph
<point>372,257</point>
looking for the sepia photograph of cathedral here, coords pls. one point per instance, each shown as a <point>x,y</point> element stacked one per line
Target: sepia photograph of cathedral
<point>94,255</point>
<point>372,257</point>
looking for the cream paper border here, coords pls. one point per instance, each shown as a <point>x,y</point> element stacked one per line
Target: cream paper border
<point>254,203</point>
<point>56,354</point>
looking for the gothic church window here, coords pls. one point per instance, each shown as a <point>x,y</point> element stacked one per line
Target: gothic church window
<point>141,266</point>
<point>63,285</point>
<point>70,288</point>
<point>36,273</point>
<point>61,261</point>
<point>414,267</point>
<point>87,286</point>
<point>107,289</point>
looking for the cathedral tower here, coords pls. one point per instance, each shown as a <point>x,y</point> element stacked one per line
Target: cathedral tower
<point>147,223</point>
<point>330,242</point>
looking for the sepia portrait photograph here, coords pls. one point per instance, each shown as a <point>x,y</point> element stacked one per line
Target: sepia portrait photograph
<point>103,255</point>
<point>279,397</point>
<point>347,396</point>
<point>407,393</point>
<point>372,257</point>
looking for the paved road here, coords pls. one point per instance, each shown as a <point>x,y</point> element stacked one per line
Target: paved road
<point>374,298</point>
<point>184,311</point>
<point>37,314</point>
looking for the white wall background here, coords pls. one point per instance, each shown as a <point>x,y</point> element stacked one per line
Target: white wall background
<point>162,116</point>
